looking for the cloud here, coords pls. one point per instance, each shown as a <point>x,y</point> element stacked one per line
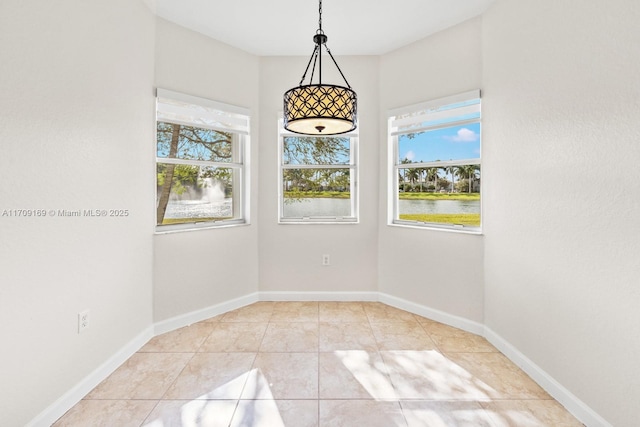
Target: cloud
<point>410,155</point>
<point>464,135</point>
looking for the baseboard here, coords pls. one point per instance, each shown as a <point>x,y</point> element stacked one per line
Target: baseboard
<point>318,296</point>
<point>431,313</point>
<point>47,417</point>
<point>574,405</point>
<point>206,313</point>
<point>58,408</point>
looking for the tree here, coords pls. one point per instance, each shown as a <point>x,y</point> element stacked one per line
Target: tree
<point>422,173</point>
<point>432,175</point>
<point>342,180</point>
<point>300,150</point>
<point>169,169</point>
<point>443,183</point>
<point>403,174</point>
<point>473,175</point>
<point>468,172</point>
<point>298,179</point>
<point>315,151</point>
<point>413,175</point>
<point>452,170</point>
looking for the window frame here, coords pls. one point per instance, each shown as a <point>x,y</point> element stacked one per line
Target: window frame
<point>395,165</point>
<point>238,119</point>
<point>353,179</point>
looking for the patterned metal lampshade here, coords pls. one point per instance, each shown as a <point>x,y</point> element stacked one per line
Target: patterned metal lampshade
<point>320,109</point>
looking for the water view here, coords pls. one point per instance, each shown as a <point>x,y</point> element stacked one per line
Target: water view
<point>313,207</point>
<point>191,209</point>
<point>321,207</point>
<point>439,207</point>
<point>309,207</point>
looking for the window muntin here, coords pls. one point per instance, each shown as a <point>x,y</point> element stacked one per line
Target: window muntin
<point>318,177</point>
<point>436,164</point>
<point>200,166</point>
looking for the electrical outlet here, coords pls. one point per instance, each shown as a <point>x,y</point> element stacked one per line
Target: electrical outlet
<point>326,260</point>
<point>83,321</point>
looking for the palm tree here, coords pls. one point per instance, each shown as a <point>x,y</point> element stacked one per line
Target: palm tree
<point>413,175</point>
<point>422,173</point>
<point>468,172</point>
<point>402,174</point>
<point>452,170</point>
<point>432,174</point>
<point>473,174</point>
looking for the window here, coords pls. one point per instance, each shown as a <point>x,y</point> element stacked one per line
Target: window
<point>435,163</point>
<point>318,177</point>
<point>201,153</point>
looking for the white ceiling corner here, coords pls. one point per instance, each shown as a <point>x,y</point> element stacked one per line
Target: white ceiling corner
<point>286,27</point>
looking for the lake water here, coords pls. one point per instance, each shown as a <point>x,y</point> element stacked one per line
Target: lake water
<point>198,209</point>
<point>439,206</point>
<point>318,207</point>
<point>341,207</point>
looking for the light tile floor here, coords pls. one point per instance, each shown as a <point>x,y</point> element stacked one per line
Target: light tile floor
<point>330,364</point>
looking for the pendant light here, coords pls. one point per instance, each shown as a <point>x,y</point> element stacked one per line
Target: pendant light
<point>320,109</point>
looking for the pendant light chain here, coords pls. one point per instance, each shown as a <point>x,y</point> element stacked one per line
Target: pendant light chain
<point>321,40</point>
<point>337,66</point>
<point>318,108</point>
<point>313,55</point>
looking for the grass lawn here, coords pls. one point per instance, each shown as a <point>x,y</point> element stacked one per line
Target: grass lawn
<point>439,196</point>
<point>403,196</point>
<point>472,220</point>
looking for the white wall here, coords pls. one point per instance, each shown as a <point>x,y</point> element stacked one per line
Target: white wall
<point>291,254</point>
<point>560,154</point>
<point>197,270</point>
<point>437,269</point>
<point>555,273</point>
<point>76,118</point>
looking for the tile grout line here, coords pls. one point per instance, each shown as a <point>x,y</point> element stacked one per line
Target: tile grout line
<point>435,344</point>
<point>150,412</point>
<point>168,387</point>
<point>384,318</point>
<point>235,409</point>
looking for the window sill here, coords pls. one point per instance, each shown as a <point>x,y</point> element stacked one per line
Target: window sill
<point>196,226</point>
<point>433,227</point>
<point>311,221</point>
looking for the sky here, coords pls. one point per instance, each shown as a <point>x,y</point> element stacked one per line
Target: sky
<point>452,143</point>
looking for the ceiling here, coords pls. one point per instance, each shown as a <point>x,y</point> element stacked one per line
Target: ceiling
<point>286,27</point>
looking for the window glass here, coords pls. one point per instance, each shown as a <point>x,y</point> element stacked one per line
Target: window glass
<point>449,143</point>
<point>200,170</point>
<point>437,164</point>
<point>318,178</point>
<point>316,193</point>
<point>315,151</point>
<point>425,195</point>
